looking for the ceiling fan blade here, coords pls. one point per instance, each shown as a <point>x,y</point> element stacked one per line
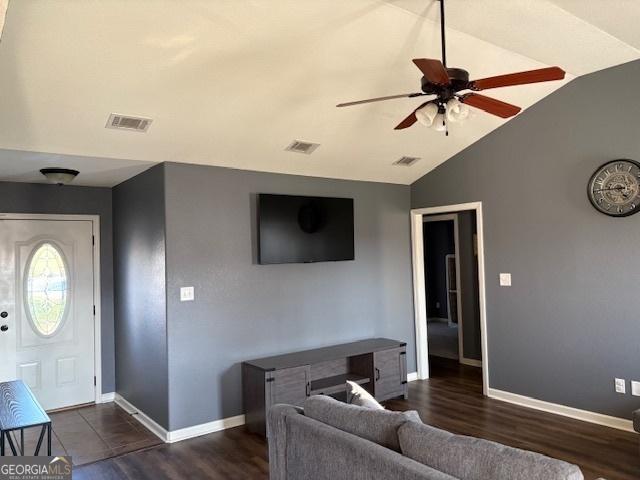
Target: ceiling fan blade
<point>410,120</point>
<point>379,99</point>
<point>490,105</point>
<point>433,69</point>
<point>520,78</point>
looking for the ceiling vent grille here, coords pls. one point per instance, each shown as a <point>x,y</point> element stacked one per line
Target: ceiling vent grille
<point>302,147</point>
<point>123,122</point>
<point>406,161</point>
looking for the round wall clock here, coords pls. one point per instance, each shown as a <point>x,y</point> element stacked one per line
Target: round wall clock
<point>614,189</point>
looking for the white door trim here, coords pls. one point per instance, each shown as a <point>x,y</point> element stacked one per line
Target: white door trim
<point>419,295</point>
<point>97,319</point>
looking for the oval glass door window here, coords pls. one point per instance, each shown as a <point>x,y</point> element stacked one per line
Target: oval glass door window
<point>46,289</point>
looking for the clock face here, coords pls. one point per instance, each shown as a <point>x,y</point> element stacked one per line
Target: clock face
<point>614,189</point>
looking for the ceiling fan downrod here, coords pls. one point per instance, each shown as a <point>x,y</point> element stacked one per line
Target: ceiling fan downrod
<point>442,35</point>
<point>443,43</point>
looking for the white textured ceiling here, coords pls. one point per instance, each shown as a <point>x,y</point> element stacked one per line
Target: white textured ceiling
<point>232,83</point>
<point>3,11</point>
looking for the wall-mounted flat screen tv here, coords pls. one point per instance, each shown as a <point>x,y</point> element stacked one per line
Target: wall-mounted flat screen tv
<point>295,229</point>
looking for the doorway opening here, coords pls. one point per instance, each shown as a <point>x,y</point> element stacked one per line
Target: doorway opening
<point>448,262</point>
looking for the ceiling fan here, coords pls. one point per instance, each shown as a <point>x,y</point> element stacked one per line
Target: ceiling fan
<point>448,85</point>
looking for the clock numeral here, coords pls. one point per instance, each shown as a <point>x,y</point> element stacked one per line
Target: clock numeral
<point>620,209</point>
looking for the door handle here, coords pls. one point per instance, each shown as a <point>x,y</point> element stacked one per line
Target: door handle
<point>4,328</point>
<point>377,374</point>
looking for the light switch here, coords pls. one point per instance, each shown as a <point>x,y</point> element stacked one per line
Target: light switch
<point>635,388</point>
<point>186,294</point>
<point>621,385</point>
<point>505,279</point>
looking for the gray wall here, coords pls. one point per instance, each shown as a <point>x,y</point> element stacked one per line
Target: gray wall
<point>569,324</point>
<point>52,199</point>
<point>140,295</point>
<point>469,299</point>
<point>243,310</point>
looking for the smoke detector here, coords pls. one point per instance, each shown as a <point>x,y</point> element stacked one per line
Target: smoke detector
<point>406,161</point>
<point>302,147</point>
<point>124,122</point>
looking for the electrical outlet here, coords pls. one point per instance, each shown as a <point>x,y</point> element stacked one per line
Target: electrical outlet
<point>505,279</point>
<point>621,385</point>
<point>437,304</point>
<point>635,388</point>
<point>186,294</point>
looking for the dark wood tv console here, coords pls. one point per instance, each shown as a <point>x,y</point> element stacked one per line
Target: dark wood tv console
<point>378,364</point>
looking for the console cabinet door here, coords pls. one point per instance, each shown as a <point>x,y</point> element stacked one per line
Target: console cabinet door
<point>390,373</point>
<point>290,385</point>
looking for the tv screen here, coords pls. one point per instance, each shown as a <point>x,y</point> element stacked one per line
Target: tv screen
<point>296,229</point>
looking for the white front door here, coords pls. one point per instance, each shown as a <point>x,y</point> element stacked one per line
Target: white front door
<point>46,309</point>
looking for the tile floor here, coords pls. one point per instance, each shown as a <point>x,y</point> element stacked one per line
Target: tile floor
<point>92,433</point>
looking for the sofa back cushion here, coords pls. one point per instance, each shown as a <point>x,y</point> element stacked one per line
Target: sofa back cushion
<point>469,458</point>
<point>379,426</point>
<point>317,451</point>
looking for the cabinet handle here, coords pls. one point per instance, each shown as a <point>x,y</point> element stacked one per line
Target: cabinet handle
<point>377,374</point>
<point>308,389</point>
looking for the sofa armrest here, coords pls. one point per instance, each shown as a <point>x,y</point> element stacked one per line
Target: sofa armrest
<point>277,438</point>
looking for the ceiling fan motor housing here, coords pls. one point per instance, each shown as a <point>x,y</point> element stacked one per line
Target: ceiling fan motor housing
<point>459,81</point>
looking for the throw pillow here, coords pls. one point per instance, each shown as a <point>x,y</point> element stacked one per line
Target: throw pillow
<point>356,395</point>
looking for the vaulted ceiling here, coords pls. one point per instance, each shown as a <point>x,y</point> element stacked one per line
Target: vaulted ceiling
<point>232,83</point>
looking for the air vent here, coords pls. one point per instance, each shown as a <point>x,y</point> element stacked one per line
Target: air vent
<point>134,124</point>
<point>302,147</point>
<point>406,161</point>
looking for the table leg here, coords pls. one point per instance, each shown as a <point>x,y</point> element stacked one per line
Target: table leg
<point>1,443</point>
<point>42,432</point>
<point>49,440</point>
<point>22,442</point>
<point>11,445</point>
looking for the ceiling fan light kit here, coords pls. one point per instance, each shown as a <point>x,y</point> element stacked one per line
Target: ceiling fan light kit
<point>448,85</point>
<point>426,115</point>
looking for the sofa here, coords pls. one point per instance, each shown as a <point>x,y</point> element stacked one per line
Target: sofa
<point>331,440</point>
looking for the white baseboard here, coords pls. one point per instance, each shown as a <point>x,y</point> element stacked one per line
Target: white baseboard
<point>144,419</point>
<point>107,397</point>
<point>412,377</point>
<point>205,428</point>
<point>584,415</point>
<point>471,362</point>
<point>182,433</point>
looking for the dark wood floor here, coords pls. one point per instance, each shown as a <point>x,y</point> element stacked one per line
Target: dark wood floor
<point>93,433</point>
<point>452,399</point>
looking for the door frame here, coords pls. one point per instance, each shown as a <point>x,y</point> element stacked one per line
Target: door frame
<point>419,285</point>
<point>450,217</point>
<point>97,318</point>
